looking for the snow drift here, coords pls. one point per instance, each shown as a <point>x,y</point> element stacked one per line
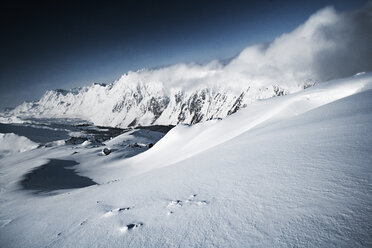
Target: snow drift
<point>11,143</point>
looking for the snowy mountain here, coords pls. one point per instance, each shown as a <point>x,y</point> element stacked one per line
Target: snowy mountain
<point>131,103</point>
<point>254,169</point>
<point>286,171</point>
<point>319,50</point>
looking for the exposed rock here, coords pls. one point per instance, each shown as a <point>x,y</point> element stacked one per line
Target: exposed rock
<point>106,151</point>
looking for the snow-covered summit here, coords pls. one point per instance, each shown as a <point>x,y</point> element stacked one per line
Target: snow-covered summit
<point>131,102</point>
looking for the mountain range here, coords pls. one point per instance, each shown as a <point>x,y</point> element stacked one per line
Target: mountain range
<point>125,103</point>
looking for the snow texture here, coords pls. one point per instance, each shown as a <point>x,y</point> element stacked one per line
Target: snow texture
<point>289,171</point>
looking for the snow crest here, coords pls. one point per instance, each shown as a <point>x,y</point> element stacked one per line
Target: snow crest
<point>11,143</point>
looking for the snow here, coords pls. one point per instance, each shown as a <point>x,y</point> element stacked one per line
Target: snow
<point>128,102</point>
<point>291,171</point>
<point>185,141</point>
<point>320,49</point>
<point>11,143</point>
<point>140,136</point>
<point>10,119</point>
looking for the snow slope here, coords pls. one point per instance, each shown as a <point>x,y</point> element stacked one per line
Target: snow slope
<point>288,171</point>
<point>11,143</point>
<point>184,141</point>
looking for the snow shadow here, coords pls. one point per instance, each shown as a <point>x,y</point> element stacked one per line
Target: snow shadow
<point>57,174</point>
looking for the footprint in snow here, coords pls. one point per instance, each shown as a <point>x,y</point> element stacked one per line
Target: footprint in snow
<point>130,227</point>
<point>112,181</point>
<point>176,204</point>
<point>116,211</point>
<point>201,203</point>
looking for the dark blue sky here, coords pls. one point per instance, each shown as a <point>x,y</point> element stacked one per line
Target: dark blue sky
<point>64,44</point>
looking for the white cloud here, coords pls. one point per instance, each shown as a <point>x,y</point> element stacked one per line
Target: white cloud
<point>328,45</point>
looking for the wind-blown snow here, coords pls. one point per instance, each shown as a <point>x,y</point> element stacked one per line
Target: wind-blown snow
<point>288,171</point>
<point>328,45</point>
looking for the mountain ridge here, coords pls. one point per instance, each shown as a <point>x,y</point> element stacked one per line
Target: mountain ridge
<point>125,104</point>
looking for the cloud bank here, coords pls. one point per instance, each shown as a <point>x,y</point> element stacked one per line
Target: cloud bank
<point>328,45</point>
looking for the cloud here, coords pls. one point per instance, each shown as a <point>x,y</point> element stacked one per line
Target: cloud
<point>328,45</point>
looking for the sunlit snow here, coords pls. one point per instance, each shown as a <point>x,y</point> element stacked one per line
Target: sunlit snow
<point>293,170</point>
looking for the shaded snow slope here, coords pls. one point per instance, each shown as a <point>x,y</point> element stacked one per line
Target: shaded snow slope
<point>293,171</point>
